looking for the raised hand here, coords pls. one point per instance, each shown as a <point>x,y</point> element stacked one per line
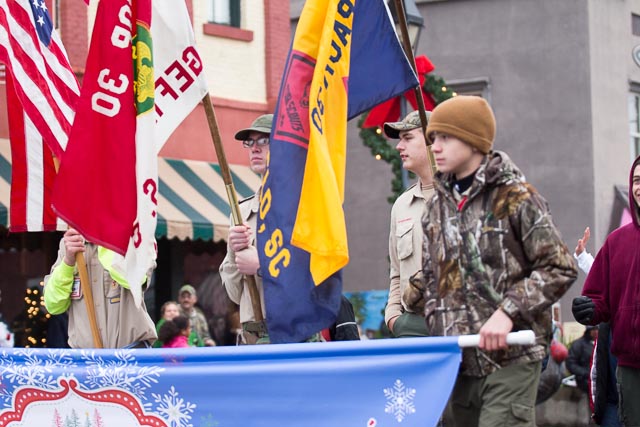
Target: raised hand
<point>582,243</point>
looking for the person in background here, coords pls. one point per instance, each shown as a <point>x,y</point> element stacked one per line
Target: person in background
<point>57,327</point>
<point>346,327</point>
<point>404,313</point>
<point>168,311</point>
<point>188,298</point>
<point>603,390</point>
<point>174,333</point>
<point>579,359</point>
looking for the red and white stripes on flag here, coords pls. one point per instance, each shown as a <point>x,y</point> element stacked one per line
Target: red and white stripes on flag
<point>41,95</point>
<point>43,79</point>
<point>32,173</point>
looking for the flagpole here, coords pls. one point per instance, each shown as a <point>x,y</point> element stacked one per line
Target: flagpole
<point>406,44</point>
<point>231,195</point>
<point>524,337</point>
<point>81,263</point>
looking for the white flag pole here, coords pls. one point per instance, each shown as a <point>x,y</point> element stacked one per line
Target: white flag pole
<point>526,337</point>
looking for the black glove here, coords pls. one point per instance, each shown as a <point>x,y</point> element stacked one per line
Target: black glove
<point>583,309</point>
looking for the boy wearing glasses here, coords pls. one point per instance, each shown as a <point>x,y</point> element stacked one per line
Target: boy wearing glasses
<point>242,255</point>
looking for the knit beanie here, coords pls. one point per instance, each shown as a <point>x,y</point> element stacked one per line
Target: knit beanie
<point>468,118</point>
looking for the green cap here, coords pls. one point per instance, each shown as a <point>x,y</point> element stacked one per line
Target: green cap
<point>261,124</point>
<point>412,121</point>
<point>187,288</point>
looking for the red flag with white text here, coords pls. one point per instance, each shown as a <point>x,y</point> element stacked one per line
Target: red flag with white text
<point>114,143</point>
<point>96,188</point>
<point>95,191</point>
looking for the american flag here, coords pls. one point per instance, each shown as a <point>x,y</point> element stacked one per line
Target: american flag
<point>44,81</point>
<point>42,108</point>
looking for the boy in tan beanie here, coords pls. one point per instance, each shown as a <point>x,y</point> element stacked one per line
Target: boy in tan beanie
<point>494,263</point>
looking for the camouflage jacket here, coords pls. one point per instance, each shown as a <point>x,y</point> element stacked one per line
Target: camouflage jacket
<point>497,249</point>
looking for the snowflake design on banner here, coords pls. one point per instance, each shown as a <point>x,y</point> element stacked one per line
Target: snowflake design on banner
<point>173,408</point>
<point>399,400</point>
<point>123,371</point>
<point>34,371</point>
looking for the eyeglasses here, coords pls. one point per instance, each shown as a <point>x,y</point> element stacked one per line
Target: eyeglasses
<point>260,142</point>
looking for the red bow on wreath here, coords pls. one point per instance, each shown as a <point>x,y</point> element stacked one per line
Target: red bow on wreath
<point>389,111</point>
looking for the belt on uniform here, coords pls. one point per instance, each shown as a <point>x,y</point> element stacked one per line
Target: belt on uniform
<point>139,344</point>
<point>255,327</point>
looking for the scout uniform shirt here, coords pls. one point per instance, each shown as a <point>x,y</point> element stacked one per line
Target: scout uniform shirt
<point>405,251</point>
<point>118,319</point>
<point>234,281</point>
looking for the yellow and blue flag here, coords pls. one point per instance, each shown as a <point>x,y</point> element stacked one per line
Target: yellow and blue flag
<point>345,58</point>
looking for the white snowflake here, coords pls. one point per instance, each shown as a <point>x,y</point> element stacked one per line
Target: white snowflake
<point>32,371</point>
<point>122,371</point>
<point>43,369</point>
<point>399,401</point>
<point>174,409</point>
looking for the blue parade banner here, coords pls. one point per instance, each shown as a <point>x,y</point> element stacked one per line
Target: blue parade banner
<point>358,383</point>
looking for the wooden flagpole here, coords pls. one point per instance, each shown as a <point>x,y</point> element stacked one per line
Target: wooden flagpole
<point>406,44</point>
<point>231,195</point>
<point>86,288</point>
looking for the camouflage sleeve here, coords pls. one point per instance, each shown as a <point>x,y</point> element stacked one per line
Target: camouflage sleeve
<point>551,265</point>
<point>425,279</point>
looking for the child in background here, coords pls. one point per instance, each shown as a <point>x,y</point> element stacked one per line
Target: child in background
<point>169,311</point>
<point>174,333</point>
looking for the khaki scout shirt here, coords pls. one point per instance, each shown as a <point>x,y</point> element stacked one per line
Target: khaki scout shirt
<point>405,247</point>
<point>119,321</point>
<point>235,282</point>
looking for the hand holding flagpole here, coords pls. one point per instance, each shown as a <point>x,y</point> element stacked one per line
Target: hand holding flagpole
<point>86,289</point>
<point>231,195</point>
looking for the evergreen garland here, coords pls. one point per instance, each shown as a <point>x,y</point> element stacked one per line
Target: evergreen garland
<point>383,149</point>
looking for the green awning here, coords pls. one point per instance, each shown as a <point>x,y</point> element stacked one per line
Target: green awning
<point>192,200</point>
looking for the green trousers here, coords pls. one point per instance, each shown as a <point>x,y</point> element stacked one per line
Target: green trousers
<point>409,325</point>
<point>628,395</point>
<point>505,398</point>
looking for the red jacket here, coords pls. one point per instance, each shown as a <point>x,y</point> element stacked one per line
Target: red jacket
<point>614,286</point>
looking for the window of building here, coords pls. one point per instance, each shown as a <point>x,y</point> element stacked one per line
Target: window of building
<point>635,24</point>
<point>225,12</point>
<point>634,124</point>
